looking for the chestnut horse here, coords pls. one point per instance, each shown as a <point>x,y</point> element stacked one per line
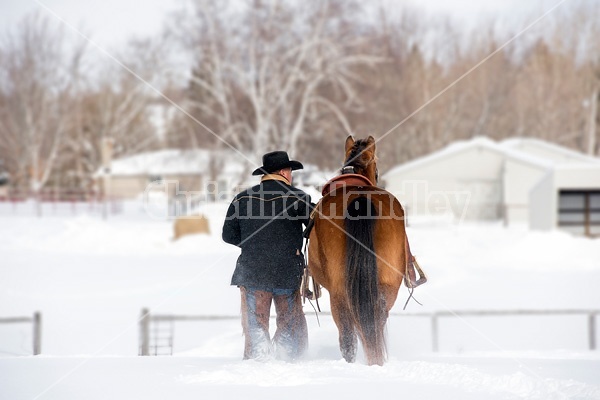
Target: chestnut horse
<point>358,252</point>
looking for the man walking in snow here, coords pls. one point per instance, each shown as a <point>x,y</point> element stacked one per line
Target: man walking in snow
<point>266,222</point>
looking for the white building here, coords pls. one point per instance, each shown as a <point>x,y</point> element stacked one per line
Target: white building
<point>198,170</point>
<point>517,180</point>
<point>218,174</point>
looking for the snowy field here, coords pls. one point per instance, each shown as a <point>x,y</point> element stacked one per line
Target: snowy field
<point>90,278</point>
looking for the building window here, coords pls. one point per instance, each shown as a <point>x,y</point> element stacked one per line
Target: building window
<point>579,211</point>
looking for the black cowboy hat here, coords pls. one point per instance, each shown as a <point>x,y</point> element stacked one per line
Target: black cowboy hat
<point>276,160</point>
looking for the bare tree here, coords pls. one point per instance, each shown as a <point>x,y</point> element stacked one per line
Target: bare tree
<point>37,64</point>
<point>591,43</point>
<point>118,104</point>
<point>263,74</point>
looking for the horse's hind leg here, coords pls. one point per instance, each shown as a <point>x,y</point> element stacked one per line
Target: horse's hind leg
<point>347,334</point>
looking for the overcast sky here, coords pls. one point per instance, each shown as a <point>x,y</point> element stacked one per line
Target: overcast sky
<point>111,22</point>
<point>108,21</point>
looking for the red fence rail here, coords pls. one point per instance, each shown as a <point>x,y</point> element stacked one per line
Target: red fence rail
<point>52,200</point>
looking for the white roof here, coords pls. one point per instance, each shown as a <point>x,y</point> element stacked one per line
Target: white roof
<point>568,155</point>
<point>173,162</point>
<point>509,148</point>
<point>446,151</point>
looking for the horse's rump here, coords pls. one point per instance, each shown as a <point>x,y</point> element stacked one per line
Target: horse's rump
<point>357,253</point>
<point>329,227</point>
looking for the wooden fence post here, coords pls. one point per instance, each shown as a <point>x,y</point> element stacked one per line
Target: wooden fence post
<point>592,330</point>
<point>37,333</point>
<point>145,332</point>
<point>435,345</point>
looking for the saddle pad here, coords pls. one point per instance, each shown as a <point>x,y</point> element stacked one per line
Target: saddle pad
<point>345,180</point>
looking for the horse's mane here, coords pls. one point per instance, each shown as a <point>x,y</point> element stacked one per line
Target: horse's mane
<point>354,159</point>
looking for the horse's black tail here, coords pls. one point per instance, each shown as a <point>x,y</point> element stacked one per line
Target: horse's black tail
<point>365,300</point>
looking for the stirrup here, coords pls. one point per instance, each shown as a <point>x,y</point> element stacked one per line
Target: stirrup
<point>412,269</point>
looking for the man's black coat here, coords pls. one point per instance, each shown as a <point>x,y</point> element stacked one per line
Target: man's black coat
<point>266,222</point>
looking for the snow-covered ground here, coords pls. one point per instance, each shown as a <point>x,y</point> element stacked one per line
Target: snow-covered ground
<point>91,277</point>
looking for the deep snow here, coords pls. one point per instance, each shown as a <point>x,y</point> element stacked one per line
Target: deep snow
<point>90,278</point>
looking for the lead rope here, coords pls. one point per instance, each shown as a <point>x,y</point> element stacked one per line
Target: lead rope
<point>409,286</point>
<point>306,285</point>
<point>410,296</point>
<point>410,281</point>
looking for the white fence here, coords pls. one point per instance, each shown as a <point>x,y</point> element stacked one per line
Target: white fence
<point>156,340</point>
<point>591,316</point>
<point>36,322</point>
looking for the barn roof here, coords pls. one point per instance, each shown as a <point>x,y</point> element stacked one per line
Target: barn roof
<point>510,148</point>
<point>568,155</point>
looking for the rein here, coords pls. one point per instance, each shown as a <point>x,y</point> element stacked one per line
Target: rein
<point>305,286</point>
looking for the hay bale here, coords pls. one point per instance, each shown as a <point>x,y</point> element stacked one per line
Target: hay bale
<point>190,225</point>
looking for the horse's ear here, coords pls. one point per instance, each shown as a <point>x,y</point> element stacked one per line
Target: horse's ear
<point>371,142</point>
<point>349,142</point>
